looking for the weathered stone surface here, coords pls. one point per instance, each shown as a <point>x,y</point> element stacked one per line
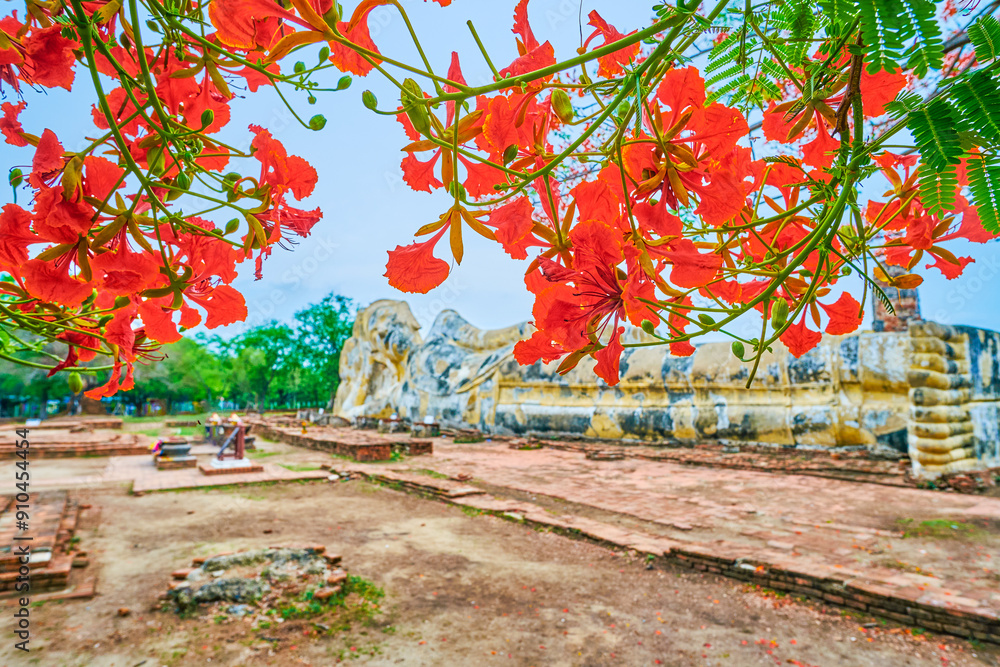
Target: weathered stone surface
<point>849,391</point>
<point>862,389</point>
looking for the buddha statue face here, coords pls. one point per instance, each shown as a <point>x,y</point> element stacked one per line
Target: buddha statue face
<point>392,330</point>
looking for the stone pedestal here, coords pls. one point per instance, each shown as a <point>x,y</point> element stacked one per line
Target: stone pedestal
<point>174,455</point>
<point>392,425</point>
<point>364,421</point>
<point>230,466</point>
<point>424,430</point>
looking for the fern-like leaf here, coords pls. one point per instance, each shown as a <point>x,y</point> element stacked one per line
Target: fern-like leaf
<point>934,128</point>
<point>938,189</point>
<point>978,97</point>
<point>840,11</point>
<point>927,52</point>
<point>985,37</point>
<point>880,28</point>
<point>984,181</point>
<point>904,103</point>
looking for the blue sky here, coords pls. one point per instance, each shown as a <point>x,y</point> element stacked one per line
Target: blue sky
<point>369,210</point>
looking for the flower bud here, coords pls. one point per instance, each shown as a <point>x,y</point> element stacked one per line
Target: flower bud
<point>121,302</point>
<point>738,349</point>
<point>207,116</point>
<point>344,82</point>
<point>232,225</point>
<point>369,100</point>
<point>561,105</point>
<point>649,327</point>
<point>15,177</point>
<point>75,382</point>
<point>317,122</point>
<point>706,319</point>
<point>779,314</point>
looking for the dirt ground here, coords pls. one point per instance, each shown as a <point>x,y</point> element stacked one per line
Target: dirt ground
<point>461,589</point>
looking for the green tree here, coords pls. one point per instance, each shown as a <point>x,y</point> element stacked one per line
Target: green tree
<point>322,330</point>
<point>260,360</point>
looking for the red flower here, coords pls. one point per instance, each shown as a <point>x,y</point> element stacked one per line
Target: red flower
<point>609,357</point>
<point>845,315</point>
<point>49,58</point>
<point>533,56</point>
<point>15,237</point>
<point>10,126</point>
<point>223,305</point>
<point>539,346</point>
<point>356,31</point>
<point>690,267</point>
<point>414,268</point>
<point>612,64</point>
<point>48,160</point>
<point>799,338</point>
<point>124,273</point>
<point>49,282</point>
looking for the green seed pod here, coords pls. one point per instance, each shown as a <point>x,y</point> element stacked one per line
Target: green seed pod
<point>509,154</point>
<point>317,122</point>
<point>561,105</point>
<point>648,327</point>
<point>419,119</point>
<point>779,314</point>
<point>412,100</point>
<point>738,349</point>
<point>75,382</point>
<point>369,100</point>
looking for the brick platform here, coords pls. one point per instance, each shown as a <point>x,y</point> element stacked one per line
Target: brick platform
<point>61,443</point>
<point>66,424</point>
<point>53,521</point>
<point>837,541</point>
<point>209,470</point>
<point>164,463</point>
<point>360,445</point>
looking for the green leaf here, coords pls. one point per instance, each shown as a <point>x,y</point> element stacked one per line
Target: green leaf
<point>984,181</point>
<point>880,29</point>
<point>840,11</point>
<point>977,97</point>
<point>985,37</point>
<point>927,51</point>
<point>934,127</point>
<point>938,189</point>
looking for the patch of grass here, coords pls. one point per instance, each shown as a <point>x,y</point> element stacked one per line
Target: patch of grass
<point>261,454</point>
<point>295,467</point>
<point>431,473</point>
<point>940,529</point>
<point>152,432</point>
<point>469,440</point>
<point>471,511</point>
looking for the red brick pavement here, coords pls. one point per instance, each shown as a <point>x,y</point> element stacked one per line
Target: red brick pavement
<point>827,538</point>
